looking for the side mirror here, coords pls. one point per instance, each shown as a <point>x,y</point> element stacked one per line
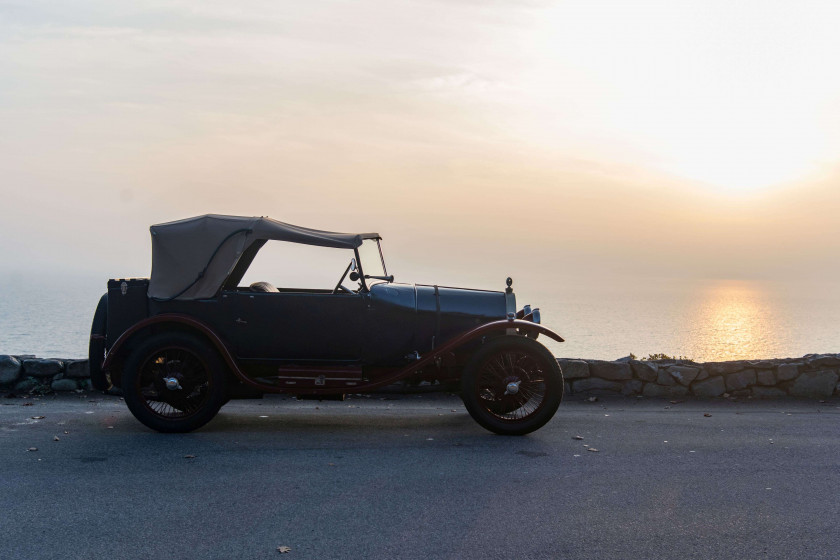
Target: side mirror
<point>353,265</point>
<point>354,276</point>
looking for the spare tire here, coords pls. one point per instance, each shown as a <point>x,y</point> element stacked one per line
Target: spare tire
<point>96,348</point>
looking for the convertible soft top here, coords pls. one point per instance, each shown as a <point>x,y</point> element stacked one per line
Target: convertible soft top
<point>192,257</point>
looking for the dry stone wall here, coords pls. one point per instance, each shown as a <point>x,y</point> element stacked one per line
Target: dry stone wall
<point>811,376</point>
<point>28,374</point>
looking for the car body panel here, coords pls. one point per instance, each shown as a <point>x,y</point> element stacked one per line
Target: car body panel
<point>319,341</point>
<point>295,326</point>
<point>316,379</point>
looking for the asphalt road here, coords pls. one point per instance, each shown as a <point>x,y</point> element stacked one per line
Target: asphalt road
<point>415,477</point>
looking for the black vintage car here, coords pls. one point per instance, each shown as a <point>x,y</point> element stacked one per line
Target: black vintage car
<point>183,342</point>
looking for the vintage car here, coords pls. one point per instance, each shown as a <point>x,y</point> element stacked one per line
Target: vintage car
<point>185,341</point>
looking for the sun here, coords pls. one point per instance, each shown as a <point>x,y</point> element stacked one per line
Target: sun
<point>738,150</point>
<point>737,140</point>
<point>732,96</point>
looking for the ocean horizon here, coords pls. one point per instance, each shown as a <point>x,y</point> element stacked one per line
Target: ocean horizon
<point>706,320</point>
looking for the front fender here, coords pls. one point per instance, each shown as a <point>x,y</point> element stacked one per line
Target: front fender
<point>483,330</point>
<point>452,345</point>
<point>534,328</point>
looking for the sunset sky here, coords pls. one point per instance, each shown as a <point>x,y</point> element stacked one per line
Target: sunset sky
<point>549,140</point>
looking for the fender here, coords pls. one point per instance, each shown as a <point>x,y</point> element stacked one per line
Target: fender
<point>481,330</point>
<point>168,318</point>
<point>535,328</point>
<point>477,332</point>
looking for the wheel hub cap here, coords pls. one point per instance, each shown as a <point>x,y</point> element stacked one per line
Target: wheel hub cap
<point>172,383</point>
<point>512,388</point>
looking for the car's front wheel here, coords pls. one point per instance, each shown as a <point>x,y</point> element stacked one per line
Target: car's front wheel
<point>512,385</point>
<point>174,382</point>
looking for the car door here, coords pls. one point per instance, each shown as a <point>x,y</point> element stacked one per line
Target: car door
<point>296,326</point>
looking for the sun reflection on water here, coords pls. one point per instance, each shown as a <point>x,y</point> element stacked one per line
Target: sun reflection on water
<point>735,319</point>
<point>705,320</point>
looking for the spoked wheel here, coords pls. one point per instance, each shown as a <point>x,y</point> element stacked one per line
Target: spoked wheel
<point>174,382</point>
<point>512,385</point>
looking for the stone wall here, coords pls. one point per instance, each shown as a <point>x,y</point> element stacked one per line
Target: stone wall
<point>811,376</point>
<point>28,374</point>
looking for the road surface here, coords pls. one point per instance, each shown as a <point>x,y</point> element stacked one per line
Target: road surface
<point>415,477</point>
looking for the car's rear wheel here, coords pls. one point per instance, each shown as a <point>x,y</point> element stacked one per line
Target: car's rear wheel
<point>174,382</point>
<point>512,385</point>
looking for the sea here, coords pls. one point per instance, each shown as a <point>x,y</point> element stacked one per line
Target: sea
<point>703,320</point>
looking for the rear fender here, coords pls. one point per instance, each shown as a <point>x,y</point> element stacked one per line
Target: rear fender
<point>125,343</point>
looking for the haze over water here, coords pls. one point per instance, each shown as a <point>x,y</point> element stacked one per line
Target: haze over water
<point>705,321</point>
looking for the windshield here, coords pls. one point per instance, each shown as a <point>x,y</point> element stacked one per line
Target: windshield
<point>370,256</point>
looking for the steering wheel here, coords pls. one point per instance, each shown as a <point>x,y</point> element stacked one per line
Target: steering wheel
<point>339,287</point>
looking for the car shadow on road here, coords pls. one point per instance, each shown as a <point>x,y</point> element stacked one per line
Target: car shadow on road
<point>257,420</point>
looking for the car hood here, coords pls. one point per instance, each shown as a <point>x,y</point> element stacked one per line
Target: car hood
<point>433,314</point>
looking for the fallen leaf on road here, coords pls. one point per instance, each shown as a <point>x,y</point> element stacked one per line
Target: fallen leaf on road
<point>28,404</point>
<point>55,438</point>
<point>592,449</point>
<point>32,449</point>
<point>38,417</point>
<point>577,437</point>
<point>284,549</point>
<point>592,399</point>
<point>189,456</point>
<point>707,415</point>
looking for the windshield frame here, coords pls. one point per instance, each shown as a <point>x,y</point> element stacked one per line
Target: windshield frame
<point>365,285</point>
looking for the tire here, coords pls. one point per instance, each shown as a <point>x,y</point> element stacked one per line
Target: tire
<point>487,381</point>
<point>197,370</point>
<point>96,347</point>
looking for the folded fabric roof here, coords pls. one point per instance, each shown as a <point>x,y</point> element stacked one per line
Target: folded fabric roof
<point>191,258</point>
